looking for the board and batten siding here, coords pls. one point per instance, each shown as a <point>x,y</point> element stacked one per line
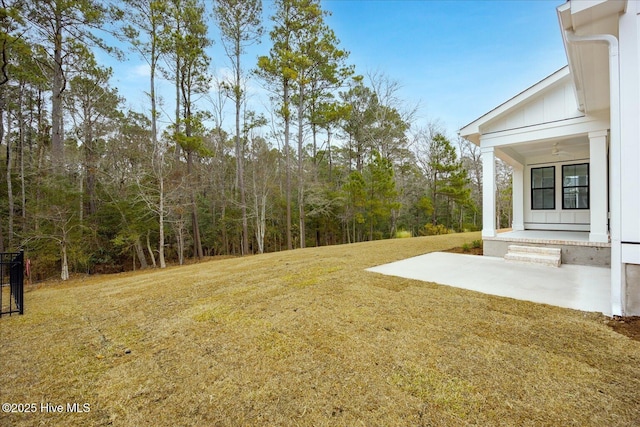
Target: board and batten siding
<point>554,104</point>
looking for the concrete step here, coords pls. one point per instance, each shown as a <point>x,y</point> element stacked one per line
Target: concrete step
<point>534,255</point>
<point>549,260</point>
<point>534,249</point>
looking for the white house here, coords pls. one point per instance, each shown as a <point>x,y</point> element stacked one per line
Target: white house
<point>573,140</point>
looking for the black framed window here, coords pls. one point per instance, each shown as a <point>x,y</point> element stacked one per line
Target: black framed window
<point>575,186</point>
<point>543,188</point>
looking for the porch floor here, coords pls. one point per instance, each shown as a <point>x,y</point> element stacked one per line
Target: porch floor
<point>578,287</point>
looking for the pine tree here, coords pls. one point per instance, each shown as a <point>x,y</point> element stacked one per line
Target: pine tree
<point>188,45</point>
<point>381,195</point>
<point>65,29</point>
<point>145,29</point>
<point>448,180</point>
<point>239,22</point>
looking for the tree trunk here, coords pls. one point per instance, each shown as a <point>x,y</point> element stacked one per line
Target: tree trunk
<point>179,230</point>
<point>1,239</point>
<point>197,242</point>
<point>140,254</point>
<point>434,199</point>
<point>225,236</point>
<point>57,87</point>
<point>177,129</point>
<point>158,158</point>
<point>90,164</point>
<point>261,221</point>
<point>288,163</point>
<point>81,201</point>
<point>22,182</point>
<point>10,201</point>
<point>161,222</point>
<point>153,257</point>
<point>329,154</point>
<point>64,275</point>
<point>240,154</point>
<point>301,212</point>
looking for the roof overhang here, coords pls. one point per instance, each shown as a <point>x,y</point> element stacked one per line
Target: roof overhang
<point>589,62</point>
<point>585,13</point>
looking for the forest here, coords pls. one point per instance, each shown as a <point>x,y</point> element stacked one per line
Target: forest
<point>90,185</point>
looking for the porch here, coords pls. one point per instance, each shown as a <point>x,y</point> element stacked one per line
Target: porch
<point>575,246</point>
<point>559,158</point>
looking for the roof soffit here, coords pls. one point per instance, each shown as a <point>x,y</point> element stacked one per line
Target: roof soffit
<point>583,13</point>
<point>588,61</point>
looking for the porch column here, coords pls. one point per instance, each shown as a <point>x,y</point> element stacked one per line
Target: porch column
<point>518,197</point>
<point>598,180</point>
<point>488,191</point>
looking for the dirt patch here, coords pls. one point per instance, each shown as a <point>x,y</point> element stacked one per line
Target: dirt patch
<point>628,326</point>
<point>468,251</point>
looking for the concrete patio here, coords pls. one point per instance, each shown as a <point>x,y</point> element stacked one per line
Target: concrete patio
<point>578,287</point>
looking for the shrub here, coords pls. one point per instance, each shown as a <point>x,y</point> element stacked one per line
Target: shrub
<point>466,248</point>
<point>466,227</point>
<point>433,230</point>
<point>403,234</point>
<point>476,244</point>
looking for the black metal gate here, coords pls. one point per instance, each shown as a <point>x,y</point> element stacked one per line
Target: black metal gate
<point>11,283</point>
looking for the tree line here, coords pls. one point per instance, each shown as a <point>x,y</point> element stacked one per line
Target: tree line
<point>92,186</point>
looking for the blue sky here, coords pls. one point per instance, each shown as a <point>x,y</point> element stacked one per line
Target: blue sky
<point>459,59</point>
<point>456,59</point>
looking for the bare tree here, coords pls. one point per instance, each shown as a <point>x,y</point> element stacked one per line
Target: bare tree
<point>472,162</point>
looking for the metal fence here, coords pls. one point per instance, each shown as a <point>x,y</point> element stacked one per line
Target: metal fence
<point>11,283</point>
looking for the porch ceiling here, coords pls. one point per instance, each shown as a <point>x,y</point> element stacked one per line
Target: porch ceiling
<point>547,151</point>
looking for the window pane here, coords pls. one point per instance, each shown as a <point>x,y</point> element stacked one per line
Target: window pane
<point>536,199</point>
<point>536,178</point>
<point>582,171</point>
<point>543,199</point>
<point>569,178</point>
<point>583,198</point>
<point>575,186</point>
<point>570,198</point>
<point>543,183</point>
<point>543,177</point>
<point>549,202</point>
<point>576,198</point>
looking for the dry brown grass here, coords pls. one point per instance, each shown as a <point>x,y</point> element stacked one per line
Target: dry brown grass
<point>309,338</point>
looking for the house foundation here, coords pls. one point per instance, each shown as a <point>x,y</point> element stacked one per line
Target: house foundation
<point>632,277</point>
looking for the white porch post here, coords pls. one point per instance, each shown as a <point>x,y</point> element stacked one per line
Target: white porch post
<point>598,186</point>
<point>488,192</point>
<point>518,197</point>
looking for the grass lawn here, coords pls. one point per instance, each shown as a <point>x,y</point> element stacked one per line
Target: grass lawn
<point>308,338</point>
